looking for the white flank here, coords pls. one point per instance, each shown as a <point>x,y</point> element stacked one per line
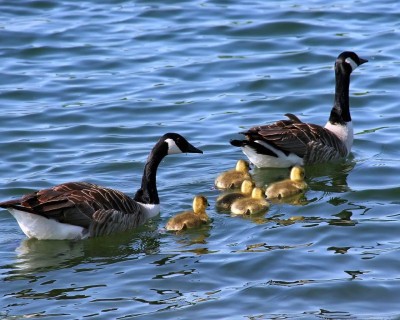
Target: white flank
<point>343,132</point>
<point>150,210</point>
<point>265,161</point>
<point>35,226</point>
<point>172,147</point>
<point>352,63</point>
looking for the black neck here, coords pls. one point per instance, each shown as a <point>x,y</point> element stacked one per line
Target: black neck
<point>148,193</point>
<point>340,113</point>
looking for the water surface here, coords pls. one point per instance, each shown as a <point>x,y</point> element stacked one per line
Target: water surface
<point>87,88</point>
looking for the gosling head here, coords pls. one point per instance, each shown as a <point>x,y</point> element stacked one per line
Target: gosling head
<point>242,166</point>
<point>297,173</point>
<point>247,186</point>
<point>200,204</point>
<point>257,193</point>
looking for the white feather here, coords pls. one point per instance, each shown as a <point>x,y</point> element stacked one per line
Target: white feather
<point>352,63</point>
<point>39,227</point>
<point>150,210</point>
<point>262,160</point>
<point>36,226</point>
<point>172,147</point>
<point>344,132</point>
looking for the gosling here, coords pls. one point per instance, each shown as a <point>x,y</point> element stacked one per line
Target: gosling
<point>289,187</point>
<point>224,201</point>
<point>234,178</point>
<point>251,205</point>
<point>190,219</point>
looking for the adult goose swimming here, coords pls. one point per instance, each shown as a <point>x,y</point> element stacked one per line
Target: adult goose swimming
<point>79,210</point>
<point>292,142</point>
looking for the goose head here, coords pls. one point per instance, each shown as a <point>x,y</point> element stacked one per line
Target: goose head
<point>242,166</point>
<point>175,143</point>
<point>348,61</point>
<point>200,204</point>
<point>297,173</point>
<point>247,186</point>
<point>169,143</point>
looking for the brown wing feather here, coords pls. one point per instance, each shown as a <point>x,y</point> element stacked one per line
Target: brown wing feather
<point>106,222</point>
<point>300,138</point>
<point>75,202</point>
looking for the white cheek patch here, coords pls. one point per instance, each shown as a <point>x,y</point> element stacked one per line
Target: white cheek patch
<point>351,62</point>
<point>172,147</point>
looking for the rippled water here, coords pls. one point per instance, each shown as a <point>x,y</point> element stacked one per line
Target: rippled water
<point>87,87</point>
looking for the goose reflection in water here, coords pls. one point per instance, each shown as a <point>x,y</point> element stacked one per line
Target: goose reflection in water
<point>42,256</point>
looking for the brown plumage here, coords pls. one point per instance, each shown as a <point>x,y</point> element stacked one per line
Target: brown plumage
<point>74,202</point>
<point>311,142</point>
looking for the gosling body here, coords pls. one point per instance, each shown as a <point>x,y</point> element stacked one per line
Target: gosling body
<point>289,187</point>
<point>251,205</point>
<point>224,201</point>
<point>234,178</point>
<point>190,219</point>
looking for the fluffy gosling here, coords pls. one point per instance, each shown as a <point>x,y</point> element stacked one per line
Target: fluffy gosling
<point>190,219</point>
<point>251,205</point>
<point>234,178</point>
<point>288,187</point>
<point>224,201</point>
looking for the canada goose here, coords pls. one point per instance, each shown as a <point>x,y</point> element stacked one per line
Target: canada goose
<point>251,205</point>
<point>233,178</point>
<point>225,200</point>
<point>190,219</point>
<point>288,187</point>
<point>289,142</point>
<point>78,210</point>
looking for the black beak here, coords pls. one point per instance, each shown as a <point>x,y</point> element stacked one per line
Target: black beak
<point>192,149</point>
<point>362,60</point>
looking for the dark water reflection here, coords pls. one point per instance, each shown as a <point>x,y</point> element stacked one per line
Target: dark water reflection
<point>35,256</point>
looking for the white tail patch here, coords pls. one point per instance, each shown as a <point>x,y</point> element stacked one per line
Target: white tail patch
<point>36,226</point>
<point>266,161</point>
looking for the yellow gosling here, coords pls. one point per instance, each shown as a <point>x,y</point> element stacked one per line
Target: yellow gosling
<point>190,219</point>
<point>224,201</point>
<point>251,205</point>
<point>288,187</point>
<point>234,178</point>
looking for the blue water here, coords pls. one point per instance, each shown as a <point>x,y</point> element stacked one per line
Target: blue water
<point>87,88</point>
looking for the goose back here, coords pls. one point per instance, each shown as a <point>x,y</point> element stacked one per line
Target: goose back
<point>101,210</point>
<point>310,142</point>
